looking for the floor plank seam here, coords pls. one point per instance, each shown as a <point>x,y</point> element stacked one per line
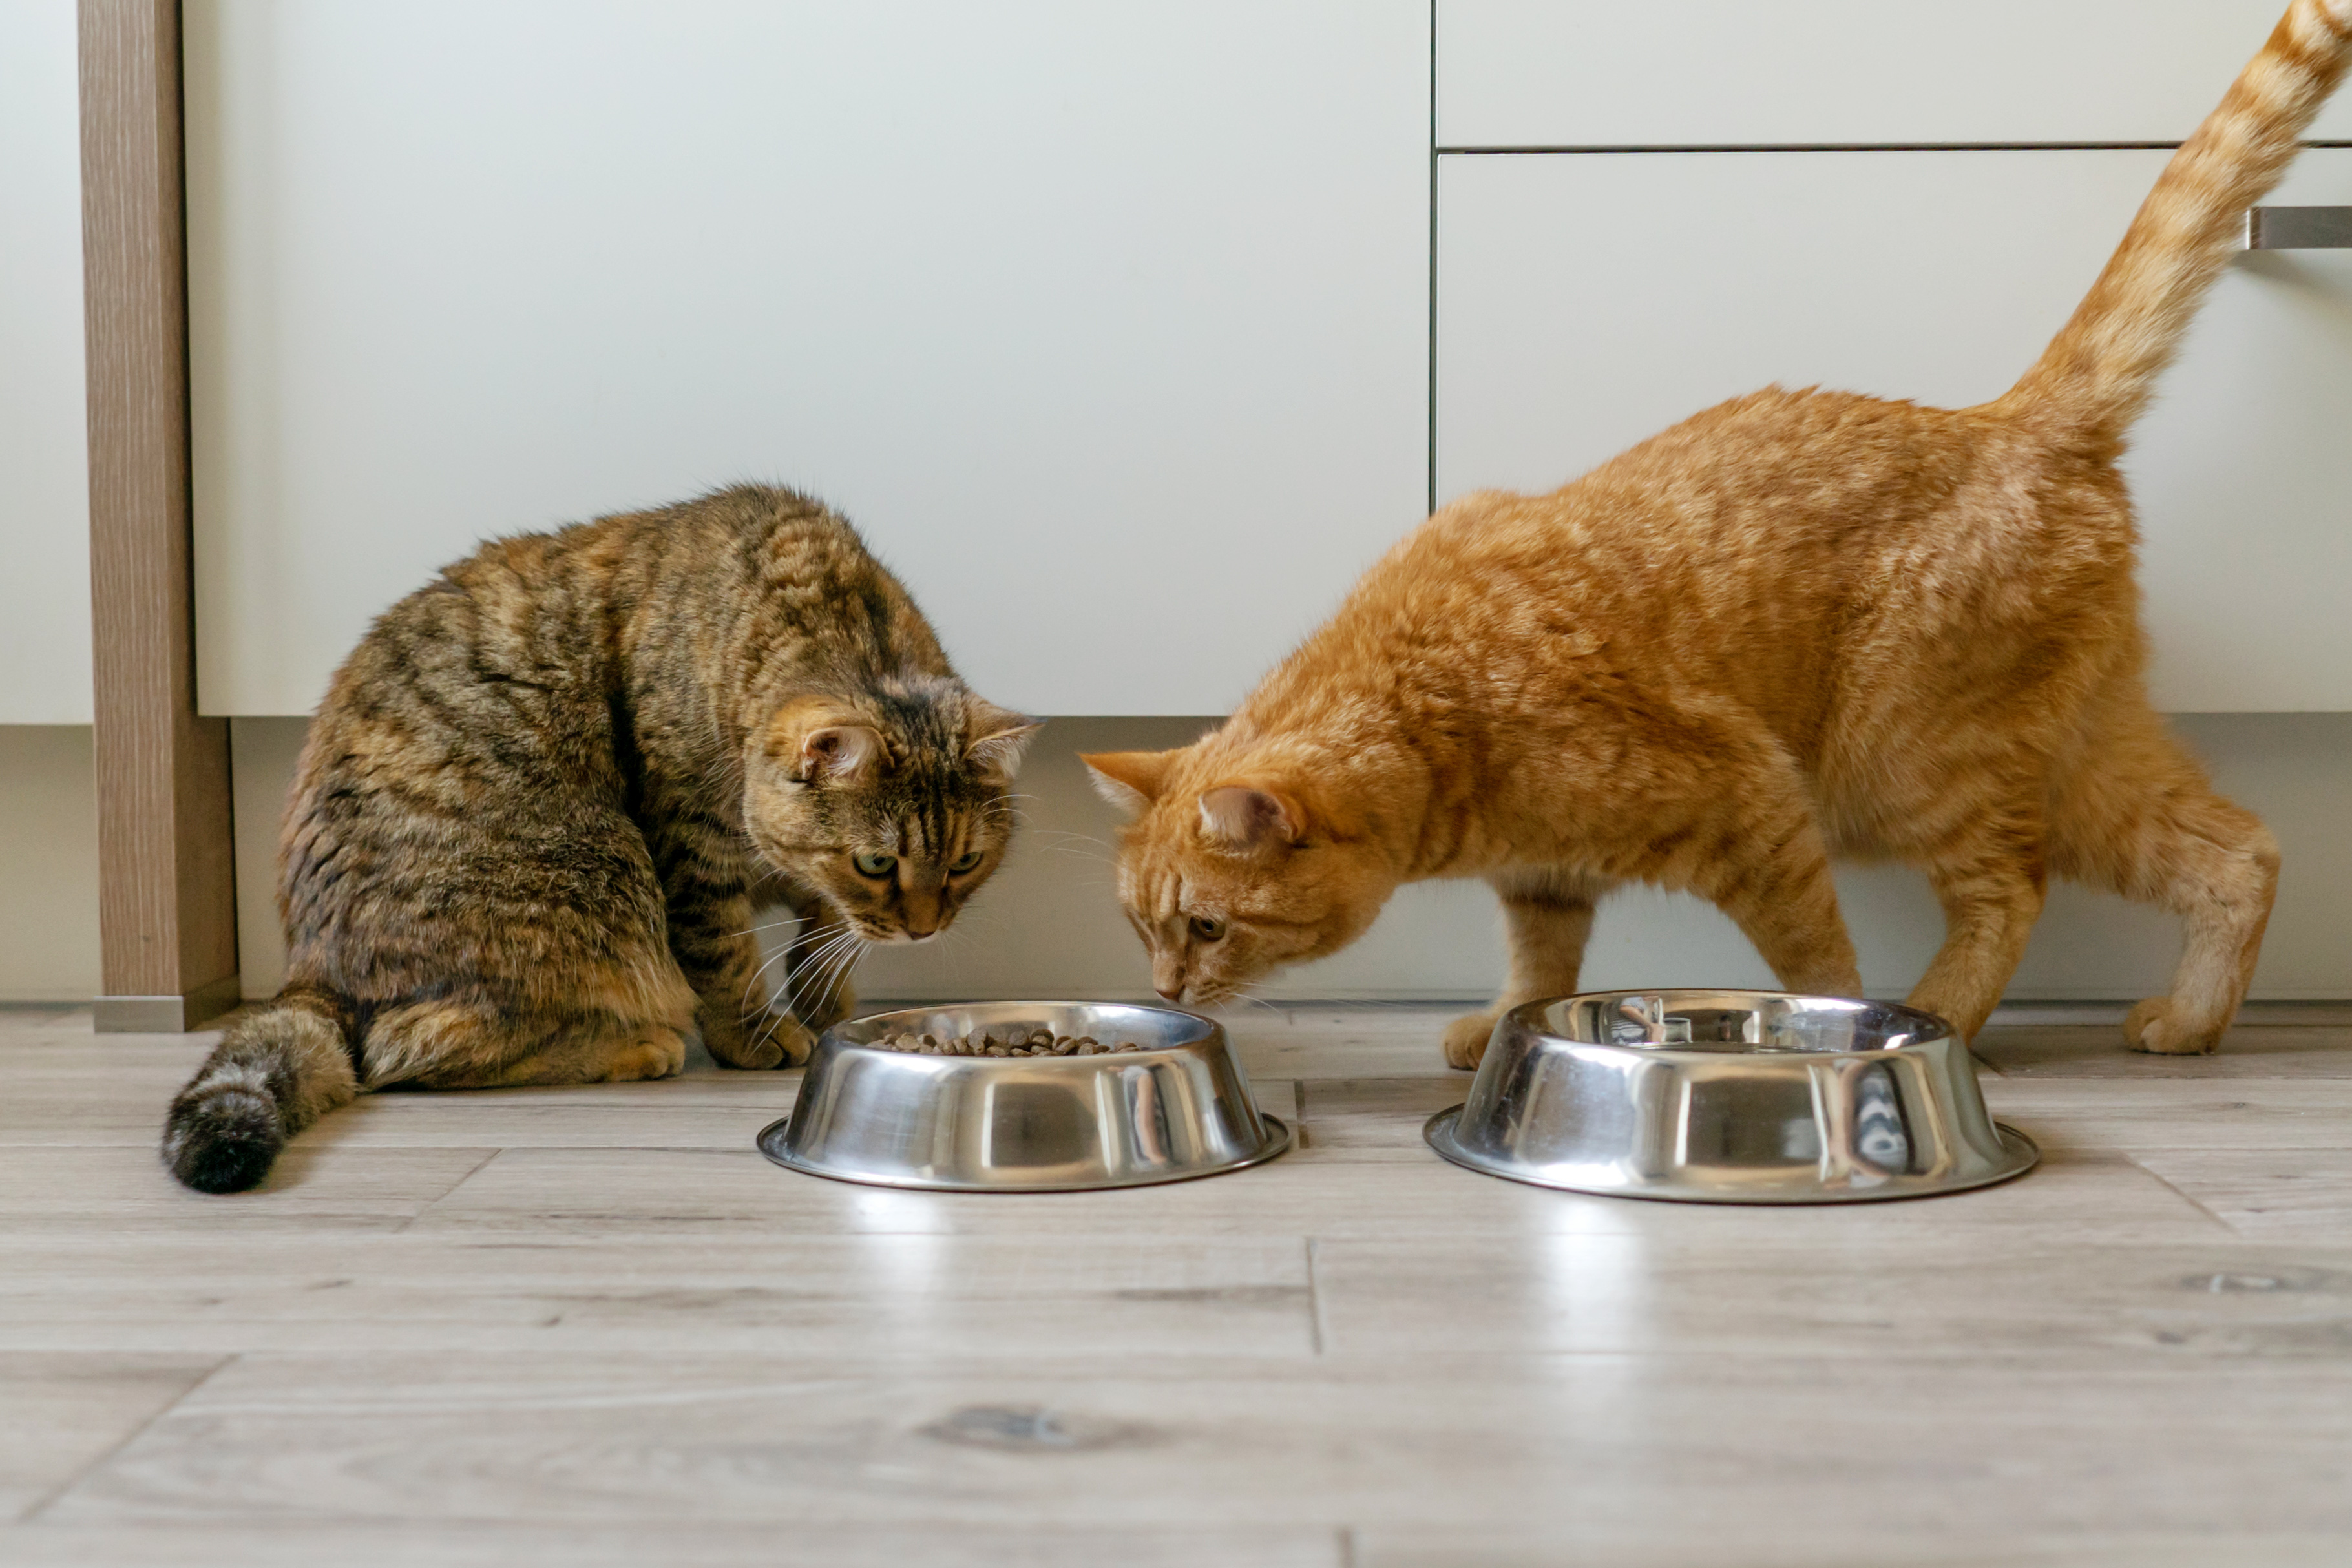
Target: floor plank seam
<point>2178,1192</point>
<point>48,1499</point>
<point>449,1192</point>
<point>1313,1300</point>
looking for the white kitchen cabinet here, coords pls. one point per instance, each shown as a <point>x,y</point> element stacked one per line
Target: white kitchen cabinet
<point>1587,301</point>
<point>44,469</point>
<point>1702,73</point>
<point>1106,324</point>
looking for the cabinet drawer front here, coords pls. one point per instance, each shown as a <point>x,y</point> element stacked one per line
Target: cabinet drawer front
<point>1589,300</point>
<point>1105,324</point>
<point>44,458</point>
<point>1609,73</point>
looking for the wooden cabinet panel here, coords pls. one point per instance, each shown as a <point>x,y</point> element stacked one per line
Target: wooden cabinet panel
<point>44,467</point>
<point>1588,300</point>
<point>1108,324</point>
<point>1613,73</point>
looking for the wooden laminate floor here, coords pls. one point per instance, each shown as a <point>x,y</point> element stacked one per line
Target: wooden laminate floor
<point>592,1326</point>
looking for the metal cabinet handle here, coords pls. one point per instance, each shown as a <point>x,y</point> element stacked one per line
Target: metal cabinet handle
<point>2298,228</point>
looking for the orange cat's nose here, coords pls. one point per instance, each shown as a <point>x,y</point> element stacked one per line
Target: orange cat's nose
<point>1171,993</point>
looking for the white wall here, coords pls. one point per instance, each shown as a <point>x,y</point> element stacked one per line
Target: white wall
<point>44,473</point>
<point>1049,926</point>
<point>1048,296</point>
<point>49,819</point>
<point>49,864</point>
<point>1711,73</point>
<point>1935,276</point>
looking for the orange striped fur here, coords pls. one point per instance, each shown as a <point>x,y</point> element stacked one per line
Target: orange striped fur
<point>1799,624</point>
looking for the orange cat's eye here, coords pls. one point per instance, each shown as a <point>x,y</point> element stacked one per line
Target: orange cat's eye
<point>1206,929</point>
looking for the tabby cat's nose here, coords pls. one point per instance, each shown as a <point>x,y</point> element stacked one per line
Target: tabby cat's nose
<point>1170,993</point>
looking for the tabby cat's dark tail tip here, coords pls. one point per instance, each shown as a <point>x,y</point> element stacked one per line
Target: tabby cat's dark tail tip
<point>225,1140</point>
<point>277,1070</point>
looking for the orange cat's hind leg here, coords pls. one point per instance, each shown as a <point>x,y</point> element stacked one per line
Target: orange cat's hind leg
<point>2134,813</point>
<point>1547,920</point>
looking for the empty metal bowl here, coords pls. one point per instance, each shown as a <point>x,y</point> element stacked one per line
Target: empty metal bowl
<point>1179,1109</point>
<point>1730,1097</point>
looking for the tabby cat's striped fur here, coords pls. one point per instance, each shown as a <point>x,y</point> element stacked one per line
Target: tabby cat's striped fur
<point>545,796</point>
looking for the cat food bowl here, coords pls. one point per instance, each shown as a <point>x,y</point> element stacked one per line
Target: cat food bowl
<point>1176,1109</point>
<point>1730,1097</point>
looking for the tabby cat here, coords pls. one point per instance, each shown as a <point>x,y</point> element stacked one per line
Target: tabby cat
<point>1800,623</point>
<point>546,795</point>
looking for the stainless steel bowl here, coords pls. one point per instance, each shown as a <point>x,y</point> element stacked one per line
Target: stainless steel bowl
<point>1025,1124</point>
<point>1730,1097</point>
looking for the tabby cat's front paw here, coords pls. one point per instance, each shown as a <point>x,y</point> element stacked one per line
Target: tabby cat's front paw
<point>770,1040</point>
<point>1466,1039</point>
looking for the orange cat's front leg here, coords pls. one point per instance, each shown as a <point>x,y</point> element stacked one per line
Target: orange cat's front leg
<point>1703,797</point>
<point>1753,849</point>
<point>1547,920</point>
<point>1783,900</point>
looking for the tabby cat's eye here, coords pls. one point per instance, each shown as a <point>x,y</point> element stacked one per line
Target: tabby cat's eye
<point>968,862</point>
<point>874,866</point>
<point>1206,929</point>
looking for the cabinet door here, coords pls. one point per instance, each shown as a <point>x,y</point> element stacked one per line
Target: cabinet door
<point>44,466</point>
<point>1587,301</point>
<point>1704,73</point>
<point>1108,325</point>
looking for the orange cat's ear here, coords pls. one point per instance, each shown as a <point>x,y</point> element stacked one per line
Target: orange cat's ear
<point>1243,817</point>
<point>839,754</point>
<point>994,739</point>
<point>1129,779</point>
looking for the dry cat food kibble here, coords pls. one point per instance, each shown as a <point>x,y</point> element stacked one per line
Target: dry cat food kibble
<point>1002,1041</point>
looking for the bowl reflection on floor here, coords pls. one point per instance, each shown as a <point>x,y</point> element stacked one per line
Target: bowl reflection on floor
<point>1730,1097</point>
<point>1179,1108</point>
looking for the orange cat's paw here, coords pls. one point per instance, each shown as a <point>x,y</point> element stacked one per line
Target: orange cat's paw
<point>2152,1028</point>
<point>1466,1039</point>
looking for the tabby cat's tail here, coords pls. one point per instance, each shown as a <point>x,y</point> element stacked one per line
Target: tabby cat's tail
<point>277,1070</point>
<point>2097,374</point>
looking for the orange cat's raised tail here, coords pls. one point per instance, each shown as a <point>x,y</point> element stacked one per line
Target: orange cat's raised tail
<point>2098,370</point>
<point>1798,624</point>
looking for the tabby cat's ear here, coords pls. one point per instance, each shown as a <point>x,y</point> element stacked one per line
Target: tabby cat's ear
<point>1129,779</point>
<point>1243,816</point>
<point>994,739</point>
<point>839,754</point>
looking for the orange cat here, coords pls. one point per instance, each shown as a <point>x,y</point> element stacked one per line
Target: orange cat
<point>1798,624</point>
